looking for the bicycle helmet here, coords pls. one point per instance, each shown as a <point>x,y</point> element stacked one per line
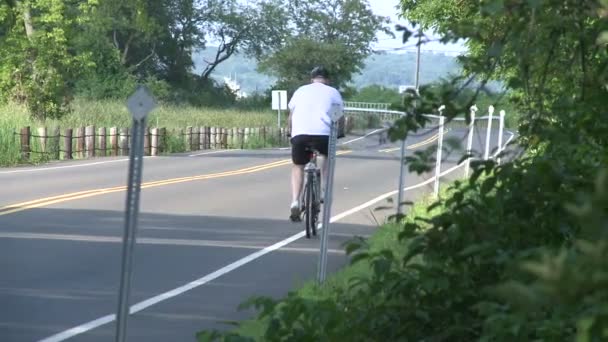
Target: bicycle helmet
<point>319,71</point>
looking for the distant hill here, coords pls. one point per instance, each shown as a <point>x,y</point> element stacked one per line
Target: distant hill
<point>387,69</point>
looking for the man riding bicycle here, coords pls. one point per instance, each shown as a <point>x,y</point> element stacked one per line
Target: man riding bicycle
<point>309,124</point>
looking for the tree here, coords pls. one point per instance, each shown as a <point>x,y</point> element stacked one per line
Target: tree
<point>39,62</point>
<point>292,64</point>
<point>337,33</point>
<point>537,56</point>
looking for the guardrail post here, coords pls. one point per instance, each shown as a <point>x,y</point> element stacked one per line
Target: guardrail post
<point>486,154</point>
<point>467,165</point>
<point>439,150</point>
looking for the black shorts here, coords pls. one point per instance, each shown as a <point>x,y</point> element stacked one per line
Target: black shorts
<point>299,155</point>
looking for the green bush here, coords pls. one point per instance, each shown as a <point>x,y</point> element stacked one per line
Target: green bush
<point>376,93</point>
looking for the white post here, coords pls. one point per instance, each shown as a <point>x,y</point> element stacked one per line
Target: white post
<point>486,154</point>
<point>401,178</point>
<point>467,164</point>
<point>501,127</point>
<point>438,162</point>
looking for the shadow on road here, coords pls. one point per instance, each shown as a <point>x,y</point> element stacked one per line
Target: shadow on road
<point>60,268</point>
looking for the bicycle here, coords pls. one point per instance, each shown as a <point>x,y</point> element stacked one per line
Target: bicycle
<point>310,197</point>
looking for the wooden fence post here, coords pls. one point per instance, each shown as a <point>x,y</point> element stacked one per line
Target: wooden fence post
<point>202,137</point>
<point>103,145</point>
<point>42,135</point>
<point>147,151</point>
<point>114,141</point>
<point>80,142</point>
<point>189,138</point>
<point>90,140</point>
<point>154,142</point>
<point>211,137</point>
<point>25,137</point>
<point>124,141</point>
<point>67,142</point>
<point>240,136</point>
<point>162,139</point>
<point>246,135</point>
<point>196,138</point>
<point>231,140</point>
<point>57,142</point>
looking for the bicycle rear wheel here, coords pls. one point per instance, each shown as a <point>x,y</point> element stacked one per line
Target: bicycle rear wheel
<point>309,206</point>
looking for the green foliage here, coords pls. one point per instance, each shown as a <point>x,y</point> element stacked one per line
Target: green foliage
<point>38,60</point>
<point>321,32</point>
<point>376,93</point>
<point>292,65</point>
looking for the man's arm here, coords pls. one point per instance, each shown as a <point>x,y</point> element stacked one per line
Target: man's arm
<point>289,121</point>
<point>291,106</point>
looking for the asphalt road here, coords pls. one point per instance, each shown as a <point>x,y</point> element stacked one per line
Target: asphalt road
<point>213,231</point>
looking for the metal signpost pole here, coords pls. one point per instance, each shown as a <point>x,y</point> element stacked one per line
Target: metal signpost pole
<point>322,268</point>
<point>403,148</point>
<point>139,104</point>
<point>279,112</point>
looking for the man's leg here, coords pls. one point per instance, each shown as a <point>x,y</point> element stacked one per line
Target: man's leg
<point>297,178</point>
<point>324,167</point>
<point>323,147</point>
<point>299,159</point>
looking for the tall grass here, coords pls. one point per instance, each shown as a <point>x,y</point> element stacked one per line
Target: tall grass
<point>112,113</point>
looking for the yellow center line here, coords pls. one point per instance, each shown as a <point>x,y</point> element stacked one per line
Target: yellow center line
<point>416,145</point>
<point>41,202</point>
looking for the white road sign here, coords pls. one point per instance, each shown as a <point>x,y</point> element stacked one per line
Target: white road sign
<point>279,99</point>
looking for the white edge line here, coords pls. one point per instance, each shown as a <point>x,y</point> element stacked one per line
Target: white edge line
<point>98,163</point>
<point>226,269</point>
<point>505,144</point>
<point>66,166</point>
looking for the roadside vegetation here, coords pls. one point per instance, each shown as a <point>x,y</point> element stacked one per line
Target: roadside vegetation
<point>514,253</point>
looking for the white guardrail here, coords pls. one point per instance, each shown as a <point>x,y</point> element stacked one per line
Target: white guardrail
<point>440,127</point>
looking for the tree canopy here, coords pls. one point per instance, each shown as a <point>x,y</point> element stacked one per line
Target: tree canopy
<point>54,50</point>
<point>336,33</point>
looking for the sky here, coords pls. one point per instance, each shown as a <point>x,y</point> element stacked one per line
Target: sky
<point>388,8</point>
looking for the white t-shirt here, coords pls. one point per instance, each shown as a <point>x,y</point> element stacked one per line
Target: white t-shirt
<point>310,106</point>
